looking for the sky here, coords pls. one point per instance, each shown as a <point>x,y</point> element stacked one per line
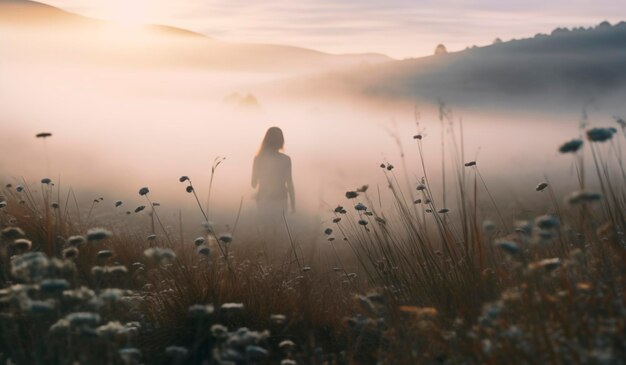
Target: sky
<point>398,28</point>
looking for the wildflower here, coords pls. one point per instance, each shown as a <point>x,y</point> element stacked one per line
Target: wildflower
<point>98,234</point>
<point>12,233</point>
<point>571,146</point>
<point>104,254</point>
<point>229,306</point>
<point>351,194</point>
<point>76,240</point>
<point>541,186</point>
<point>328,231</point>
<point>420,187</point>
<point>203,250</point>
<point>390,167</point>
<point>22,244</point>
<point>362,189</point>
<point>382,165</point>
<point>143,191</point>
<point>54,205</point>
<point>418,136</point>
<point>130,355</point>
<point>43,135</point>
<point>471,163</point>
<point>380,220</point>
<point>54,285</point>
<point>70,253</point>
<point>340,210</point>
<point>160,254</point>
<point>547,222</point>
<point>176,352</point>
<point>363,222</point>
<point>600,134</point>
<point>30,267</point>
<point>219,331</point>
<point>118,203</point>
<point>360,207</point>
<point>46,181</point>
<point>256,352</point>
<point>286,345</point>
<point>199,241</point>
<point>278,318</point>
<point>581,197</point>
<point>189,189</point>
<point>336,220</point>
<point>117,269</point>
<point>200,310</point>
<point>41,306</point>
<point>19,188</point>
<point>509,247</point>
<point>111,295</point>
<point>60,326</point>
<point>83,318</point>
<point>443,210</point>
<point>226,238</point>
<point>183,178</point>
<point>140,208</point>
<point>417,201</point>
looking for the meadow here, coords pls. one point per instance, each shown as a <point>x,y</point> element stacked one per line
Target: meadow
<point>408,275</point>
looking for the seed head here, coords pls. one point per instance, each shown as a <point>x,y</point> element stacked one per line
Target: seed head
<point>70,253</point>
<point>541,186</point>
<point>600,134</point>
<point>226,238</point>
<point>199,241</point>
<point>104,254</point>
<point>118,203</point>
<point>22,244</point>
<point>581,197</point>
<point>98,234</point>
<point>140,208</point>
<point>362,189</point>
<point>46,181</point>
<point>203,250</point>
<point>328,231</point>
<point>143,191</point>
<point>363,222</point>
<point>420,187</point>
<point>443,210</point>
<point>336,220</point>
<point>11,233</point>
<point>360,207</point>
<point>471,163</point>
<point>183,178</point>
<point>43,135</point>
<point>19,188</point>
<point>351,194</point>
<point>571,146</point>
<point>189,189</point>
<point>76,240</point>
<point>151,237</point>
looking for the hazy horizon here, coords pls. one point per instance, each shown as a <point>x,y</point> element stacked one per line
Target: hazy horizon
<point>399,29</point>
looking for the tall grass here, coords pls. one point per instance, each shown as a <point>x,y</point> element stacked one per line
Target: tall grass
<point>437,280</point>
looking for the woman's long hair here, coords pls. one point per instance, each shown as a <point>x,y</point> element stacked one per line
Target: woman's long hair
<point>273,141</point>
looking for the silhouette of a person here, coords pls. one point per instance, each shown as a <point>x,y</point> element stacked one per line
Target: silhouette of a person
<point>271,172</point>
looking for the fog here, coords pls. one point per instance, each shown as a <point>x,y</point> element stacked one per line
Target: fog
<point>117,128</point>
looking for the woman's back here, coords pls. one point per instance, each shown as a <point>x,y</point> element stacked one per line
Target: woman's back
<point>272,173</point>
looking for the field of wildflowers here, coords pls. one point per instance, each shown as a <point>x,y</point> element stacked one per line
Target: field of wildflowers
<point>438,282</point>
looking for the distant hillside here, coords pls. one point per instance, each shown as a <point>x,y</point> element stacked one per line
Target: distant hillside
<point>578,64</point>
<point>39,29</point>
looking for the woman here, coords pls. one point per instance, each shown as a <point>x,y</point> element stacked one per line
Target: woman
<point>271,172</point>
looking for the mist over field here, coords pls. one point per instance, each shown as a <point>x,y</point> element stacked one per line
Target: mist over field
<point>461,206</point>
